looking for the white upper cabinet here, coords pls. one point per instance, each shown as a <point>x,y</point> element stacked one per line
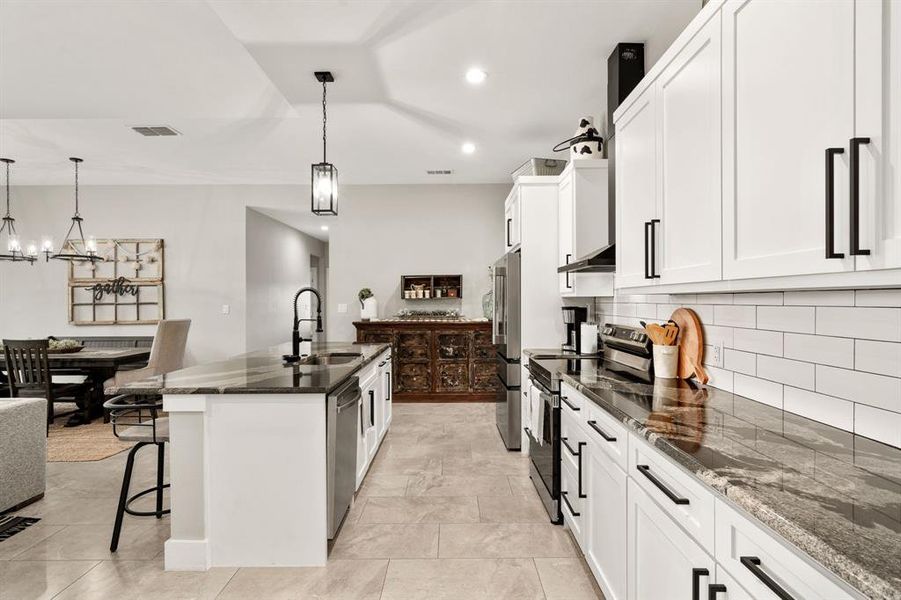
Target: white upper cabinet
<point>689,197</point>
<point>566,233</point>
<point>636,190</point>
<point>878,118</point>
<point>512,223</point>
<point>788,96</point>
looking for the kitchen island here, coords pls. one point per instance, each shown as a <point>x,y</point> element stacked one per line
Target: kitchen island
<point>252,477</point>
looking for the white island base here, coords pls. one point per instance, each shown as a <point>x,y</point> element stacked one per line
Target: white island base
<point>248,481</point>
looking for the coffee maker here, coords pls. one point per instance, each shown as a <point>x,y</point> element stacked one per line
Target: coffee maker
<point>573,317</point>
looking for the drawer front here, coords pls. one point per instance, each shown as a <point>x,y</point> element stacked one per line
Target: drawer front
<point>573,513</point>
<point>452,345</point>
<point>413,377</point>
<point>683,498</point>
<point>752,555</point>
<point>453,377</point>
<point>570,399</point>
<point>609,434</point>
<point>572,440</point>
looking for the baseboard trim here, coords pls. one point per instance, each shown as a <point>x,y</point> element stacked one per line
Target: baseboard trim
<point>187,555</point>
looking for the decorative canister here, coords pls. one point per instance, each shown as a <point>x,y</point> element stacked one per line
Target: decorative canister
<point>666,361</point>
<point>586,144</point>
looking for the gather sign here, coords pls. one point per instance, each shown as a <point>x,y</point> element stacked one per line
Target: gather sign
<point>121,286</point>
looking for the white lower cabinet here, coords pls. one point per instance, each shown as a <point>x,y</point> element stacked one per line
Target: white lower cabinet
<point>373,413</point>
<point>572,502</point>
<point>605,521</point>
<point>726,588</point>
<point>663,560</point>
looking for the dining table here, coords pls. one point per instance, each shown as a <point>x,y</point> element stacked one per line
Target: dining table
<point>97,363</point>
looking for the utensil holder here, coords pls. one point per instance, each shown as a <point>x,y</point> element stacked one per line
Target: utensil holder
<point>666,361</point>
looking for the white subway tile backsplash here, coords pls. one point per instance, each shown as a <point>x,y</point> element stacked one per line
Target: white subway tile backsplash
<point>714,299</point>
<point>800,319</point>
<point>740,362</point>
<point>756,340</point>
<point>760,390</point>
<point>757,298</point>
<point>820,349</point>
<point>877,424</point>
<point>826,409</point>
<point>878,298</point>
<point>864,388</point>
<point>735,316</point>
<point>783,370</point>
<point>820,298</point>
<point>857,322</point>
<point>829,355</point>
<point>878,357</point>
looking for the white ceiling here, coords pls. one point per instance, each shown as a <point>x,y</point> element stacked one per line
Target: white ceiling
<point>235,77</point>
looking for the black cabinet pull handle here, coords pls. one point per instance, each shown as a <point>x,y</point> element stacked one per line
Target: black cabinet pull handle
<point>713,589</point>
<point>696,575</point>
<point>752,563</point>
<point>568,285</point>
<point>564,441</point>
<point>572,511</point>
<point>654,274</point>
<point>646,471</point>
<point>647,235</point>
<point>854,176</point>
<point>604,434</point>
<point>372,408</point>
<point>581,493</point>
<point>388,387</point>
<point>572,407</point>
<point>830,202</point>
<point>509,222</point>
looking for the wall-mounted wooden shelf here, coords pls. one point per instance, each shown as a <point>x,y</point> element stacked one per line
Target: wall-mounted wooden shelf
<point>432,287</point>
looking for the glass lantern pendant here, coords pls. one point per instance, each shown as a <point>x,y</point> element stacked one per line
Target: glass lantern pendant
<point>74,247</point>
<point>324,175</point>
<point>12,250</point>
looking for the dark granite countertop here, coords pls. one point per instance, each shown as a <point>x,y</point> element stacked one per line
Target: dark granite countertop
<point>835,495</point>
<point>260,372</point>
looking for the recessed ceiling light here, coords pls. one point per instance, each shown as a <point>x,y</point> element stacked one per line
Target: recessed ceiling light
<point>324,228</point>
<point>468,148</point>
<point>475,76</point>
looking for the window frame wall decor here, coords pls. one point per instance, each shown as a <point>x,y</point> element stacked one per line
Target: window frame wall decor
<point>122,261</point>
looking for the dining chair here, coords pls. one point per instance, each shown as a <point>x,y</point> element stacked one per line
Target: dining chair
<point>28,372</point>
<point>136,419</point>
<point>166,354</point>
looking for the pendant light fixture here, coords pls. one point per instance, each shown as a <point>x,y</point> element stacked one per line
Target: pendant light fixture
<point>74,248</point>
<point>324,174</point>
<point>13,245</point>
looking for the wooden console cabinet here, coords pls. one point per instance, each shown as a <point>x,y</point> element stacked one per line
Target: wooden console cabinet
<point>437,361</point>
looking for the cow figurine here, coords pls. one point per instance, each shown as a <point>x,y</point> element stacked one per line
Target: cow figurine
<point>586,144</point>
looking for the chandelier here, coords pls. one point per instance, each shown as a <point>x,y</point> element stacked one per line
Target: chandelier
<point>324,174</point>
<point>74,248</point>
<point>13,244</point>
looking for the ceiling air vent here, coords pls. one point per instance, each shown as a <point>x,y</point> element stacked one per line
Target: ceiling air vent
<point>155,131</point>
<point>439,172</point>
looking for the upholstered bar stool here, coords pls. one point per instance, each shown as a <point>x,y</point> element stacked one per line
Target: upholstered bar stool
<point>136,420</point>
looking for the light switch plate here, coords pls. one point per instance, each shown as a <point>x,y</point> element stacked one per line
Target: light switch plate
<point>226,309</point>
<point>342,308</point>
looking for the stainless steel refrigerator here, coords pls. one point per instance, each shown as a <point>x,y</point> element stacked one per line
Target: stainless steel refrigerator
<point>506,335</point>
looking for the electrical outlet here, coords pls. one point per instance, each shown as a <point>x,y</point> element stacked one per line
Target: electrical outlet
<point>342,308</point>
<point>718,353</point>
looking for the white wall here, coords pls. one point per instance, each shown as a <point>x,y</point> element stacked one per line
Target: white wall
<point>383,232</point>
<point>278,264</point>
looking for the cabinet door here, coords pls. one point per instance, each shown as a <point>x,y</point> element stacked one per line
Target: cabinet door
<point>878,118</point>
<point>689,199</point>
<point>388,383</point>
<point>606,522</point>
<point>452,377</point>
<point>663,561</point>
<point>636,188</point>
<point>565,238</point>
<point>726,588</point>
<point>788,95</point>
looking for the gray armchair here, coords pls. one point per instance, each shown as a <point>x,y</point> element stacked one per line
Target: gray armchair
<point>23,451</point>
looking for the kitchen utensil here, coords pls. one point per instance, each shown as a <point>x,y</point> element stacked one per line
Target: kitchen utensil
<point>670,334</point>
<point>656,333</point>
<point>691,344</point>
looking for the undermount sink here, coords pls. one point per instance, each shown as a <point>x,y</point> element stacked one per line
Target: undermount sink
<point>332,358</point>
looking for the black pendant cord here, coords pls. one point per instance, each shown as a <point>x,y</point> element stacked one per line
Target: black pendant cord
<point>324,121</point>
<point>76,185</point>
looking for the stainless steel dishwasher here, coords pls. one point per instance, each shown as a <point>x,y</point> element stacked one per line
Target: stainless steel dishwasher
<point>341,441</point>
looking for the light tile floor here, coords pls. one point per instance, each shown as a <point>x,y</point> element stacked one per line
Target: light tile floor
<point>445,513</point>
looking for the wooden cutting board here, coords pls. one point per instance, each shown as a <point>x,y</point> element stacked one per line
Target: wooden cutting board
<point>691,344</point>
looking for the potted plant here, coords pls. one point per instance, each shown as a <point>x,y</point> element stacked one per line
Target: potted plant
<point>369,306</point>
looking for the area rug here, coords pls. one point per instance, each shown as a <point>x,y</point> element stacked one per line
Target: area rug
<point>84,443</point>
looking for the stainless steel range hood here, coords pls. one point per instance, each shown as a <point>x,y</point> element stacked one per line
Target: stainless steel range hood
<point>602,260</point>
